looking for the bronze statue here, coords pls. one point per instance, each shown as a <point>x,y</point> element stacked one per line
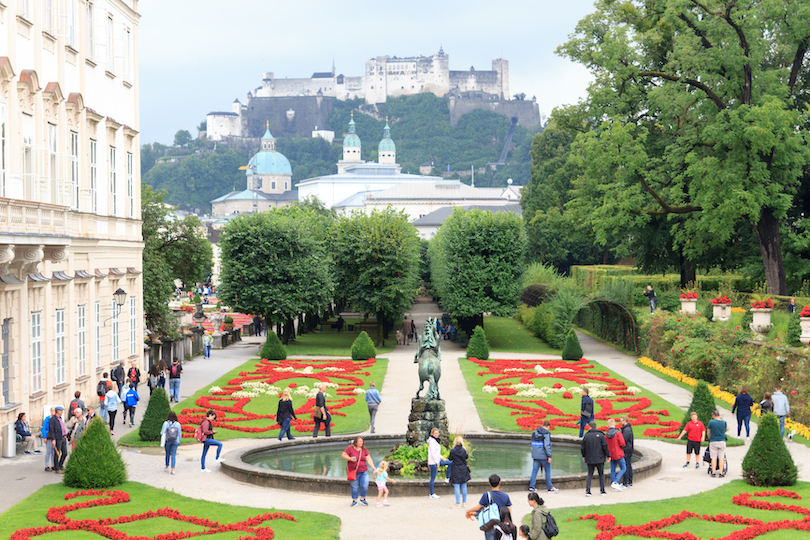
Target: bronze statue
<point>429,358</point>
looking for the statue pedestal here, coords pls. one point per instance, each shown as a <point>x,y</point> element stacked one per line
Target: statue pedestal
<point>425,415</point>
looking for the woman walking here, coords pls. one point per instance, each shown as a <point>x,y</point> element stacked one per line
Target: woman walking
<point>172,431</point>
<point>459,471</point>
<point>207,427</point>
<point>743,405</point>
<point>358,462</point>
<point>539,515</point>
<point>112,400</point>
<point>285,414</point>
<point>766,405</point>
<point>163,371</point>
<point>434,459</point>
<point>153,378</point>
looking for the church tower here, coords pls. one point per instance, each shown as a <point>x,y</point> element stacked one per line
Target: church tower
<point>387,151</point>
<point>351,148</point>
<point>268,170</point>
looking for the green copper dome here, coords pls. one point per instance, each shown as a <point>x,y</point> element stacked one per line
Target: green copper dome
<point>351,140</point>
<point>386,144</point>
<point>267,160</point>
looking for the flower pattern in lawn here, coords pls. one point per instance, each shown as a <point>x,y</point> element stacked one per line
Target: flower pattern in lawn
<point>609,529</point>
<point>516,380</point>
<point>229,401</point>
<point>105,527</point>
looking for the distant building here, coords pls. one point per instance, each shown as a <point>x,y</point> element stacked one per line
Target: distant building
<point>427,225</point>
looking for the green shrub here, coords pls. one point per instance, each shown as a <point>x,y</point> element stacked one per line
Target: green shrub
<point>542,323</point>
<point>572,349</point>
<point>794,331</point>
<point>227,320</point>
<point>272,348</point>
<point>197,299</point>
<point>768,461</point>
<point>668,301</point>
<point>95,462</point>
<point>478,346</point>
<point>156,413</point>
<point>566,304</point>
<point>702,404</point>
<point>363,348</point>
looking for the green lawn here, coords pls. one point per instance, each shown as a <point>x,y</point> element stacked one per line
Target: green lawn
<point>508,335</point>
<point>32,511</point>
<point>712,503</point>
<point>500,418</point>
<point>332,343</point>
<point>356,419</point>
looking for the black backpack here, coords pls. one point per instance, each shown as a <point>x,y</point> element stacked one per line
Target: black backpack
<point>550,528</point>
<point>101,388</point>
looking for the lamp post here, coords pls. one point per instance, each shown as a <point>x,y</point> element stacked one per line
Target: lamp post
<point>120,296</point>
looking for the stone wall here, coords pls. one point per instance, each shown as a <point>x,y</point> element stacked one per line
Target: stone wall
<point>288,116</point>
<point>527,112</point>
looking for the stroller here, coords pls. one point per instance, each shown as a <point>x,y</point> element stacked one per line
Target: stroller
<point>708,459</point>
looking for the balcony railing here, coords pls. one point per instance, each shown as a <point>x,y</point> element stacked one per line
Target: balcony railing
<point>32,217</point>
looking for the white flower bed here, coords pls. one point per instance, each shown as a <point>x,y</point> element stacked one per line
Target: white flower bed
<point>514,369</point>
<point>330,368</point>
<point>359,391</point>
<point>575,390</point>
<point>533,393</point>
<point>522,386</point>
<point>540,369</point>
<point>490,389</point>
<point>634,390</point>
<point>601,394</point>
<point>245,393</point>
<point>214,389</point>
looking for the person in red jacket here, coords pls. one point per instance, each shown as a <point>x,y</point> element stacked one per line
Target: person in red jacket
<point>615,443</point>
<point>695,433</point>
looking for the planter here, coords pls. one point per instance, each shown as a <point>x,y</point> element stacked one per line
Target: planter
<point>688,307</point>
<point>762,322</point>
<point>722,312</point>
<point>805,337</point>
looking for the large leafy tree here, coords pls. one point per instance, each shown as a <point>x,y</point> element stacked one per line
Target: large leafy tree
<point>377,264</point>
<point>699,117</point>
<point>476,262</point>
<point>173,249</point>
<point>273,264</point>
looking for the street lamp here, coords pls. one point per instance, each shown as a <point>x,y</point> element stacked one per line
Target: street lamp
<point>120,296</point>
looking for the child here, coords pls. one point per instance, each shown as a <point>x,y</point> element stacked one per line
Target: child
<point>131,402</point>
<point>382,489</point>
<point>524,532</point>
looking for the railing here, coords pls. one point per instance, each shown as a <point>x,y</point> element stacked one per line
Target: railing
<point>32,217</point>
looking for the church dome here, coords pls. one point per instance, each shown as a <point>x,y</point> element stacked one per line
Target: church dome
<point>386,144</point>
<point>267,160</point>
<point>351,140</point>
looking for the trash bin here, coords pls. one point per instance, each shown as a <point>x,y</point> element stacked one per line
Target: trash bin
<point>9,441</point>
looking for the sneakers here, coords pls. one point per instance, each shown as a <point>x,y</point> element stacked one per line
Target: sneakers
<point>722,475</point>
<point>603,493</point>
<point>47,469</point>
<point>714,475</point>
<point>354,503</point>
<point>697,465</point>
<point>447,480</point>
<point>379,505</point>
<point>532,490</point>
<point>588,494</point>
<point>616,487</point>
<point>27,453</point>
<point>686,465</point>
<point>205,470</point>
<point>363,502</point>
<point>37,452</point>
<point>434,496</point>
<point>385,502</point>
<point>172,471</point>
<point>625,486</point>
<point>553,490</point>
<point>220,460</point>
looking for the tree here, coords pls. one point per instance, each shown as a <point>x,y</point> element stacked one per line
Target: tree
<point>572,349</point>
<point>476,262</point>
<point>272,264</point>
<point>768,461</point>
<point>702,404</point>
<point>363,348</point>
<point>157,411</point>
<point>182,137</point>
<point>95,462</point>
<point>173,249</point>
<point>696,107</point>
<point>520,97</point>
<point>272,348</point>
<point>478,347</point>
<point>377,264</point>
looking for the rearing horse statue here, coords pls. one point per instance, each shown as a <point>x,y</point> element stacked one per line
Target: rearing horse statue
<point>429,358</point>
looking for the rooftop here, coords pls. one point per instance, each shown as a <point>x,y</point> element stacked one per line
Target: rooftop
<point>437,217</point>
<point>247,194</point>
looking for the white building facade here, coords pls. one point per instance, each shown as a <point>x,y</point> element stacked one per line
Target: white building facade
<point>70,229</point>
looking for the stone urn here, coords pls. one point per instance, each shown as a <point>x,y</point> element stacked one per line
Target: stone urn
<point>689,307</point>
<point>762,322</point>
<point>805,324</point>
<point>722,312</point>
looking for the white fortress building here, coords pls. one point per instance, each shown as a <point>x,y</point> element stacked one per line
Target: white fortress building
<point>70,210</point>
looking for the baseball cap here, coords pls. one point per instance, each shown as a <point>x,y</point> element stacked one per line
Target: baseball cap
<point>60,408</point>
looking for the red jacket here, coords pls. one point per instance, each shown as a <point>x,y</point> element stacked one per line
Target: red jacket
<point>615,442</point>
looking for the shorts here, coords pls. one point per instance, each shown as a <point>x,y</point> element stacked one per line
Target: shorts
<point>381,486</point>
<point>717,449</point>
<point>693,447</point>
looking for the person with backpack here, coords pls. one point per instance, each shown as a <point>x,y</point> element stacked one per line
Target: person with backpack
<point>541,456</point>
<point>174,380</point>
<point>586,412</point>
<point>205,434</point>
<point>152,378</point>
<point>101,391</point>
<point>132,399</point>
<point>494,496</point>
<point>118,376</point>
<point>543,525</point>
<point>172,431</point>
<point>505,529</point>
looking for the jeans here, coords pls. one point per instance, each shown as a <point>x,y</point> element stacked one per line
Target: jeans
<point>372,413</point>
<point>746,421</point>
<point>583,423</point>
<point>461,490</point>
<point>628,463</point>
<point>359,484</point>
<point>103,411</point>
<point>600,468</point>
<point>652,305</point>
<point>327,425</point>
<point>48,453</point>
<point>174,390</point>
<point>434,470</point>
<point>490,534</point>
<point>208,351</point>
<point>162,382</point>
<point>285,428</point>
<point>207,443</point>
<point>171,452</point>
<point>536,467</point>
<point>614,475</point>
<point>782,425</point>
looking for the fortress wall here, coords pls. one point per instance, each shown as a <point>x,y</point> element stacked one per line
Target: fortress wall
<point>296,87</point>
<point>309,112</point>
<point>221,126</point>
<point>527,112</point>
<point>483,81</point>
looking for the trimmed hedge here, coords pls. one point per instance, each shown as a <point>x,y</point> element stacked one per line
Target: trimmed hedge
<point>95,462</point>
<point>272,348</point>
<point>478,346</point>
<point>363,348</point>
<point>768,461</point>
<point>702,403</point>
<point>572,349</point>
<point>156,413</point>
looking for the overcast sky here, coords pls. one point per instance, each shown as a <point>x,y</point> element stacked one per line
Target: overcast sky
<point>197,56</point>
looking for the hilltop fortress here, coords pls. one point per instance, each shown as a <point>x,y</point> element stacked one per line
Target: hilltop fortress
<point>303,106</point>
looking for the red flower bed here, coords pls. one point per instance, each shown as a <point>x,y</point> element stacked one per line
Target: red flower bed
<point>104,526</point>
<point>805,312</point>
<point>689,296</point>
<point>231,410</point>
<point>530,412</point>
<point>722,300</point>
<point>608,527</point>
<point>762,304</point>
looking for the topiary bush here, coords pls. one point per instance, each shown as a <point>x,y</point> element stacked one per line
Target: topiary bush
<point>702,404</point>
<point>572,349</point>
<point>794,330</point>
<point>478,346</point>
<point>363,348</point>
<point>196,299</point>
<point>768,461</point>
<point>95,462</point>
<point>272,348</point>
<point>156,413</point>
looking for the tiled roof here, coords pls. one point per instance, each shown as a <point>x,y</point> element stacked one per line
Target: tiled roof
<point>437,217</point>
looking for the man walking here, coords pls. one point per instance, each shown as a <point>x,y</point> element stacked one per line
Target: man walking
<point>326,418</point>
<point>615,442</point>
<point>594,453</point>
<point>781,407</point>
<point>541,456</point>
<point>46,429</point>
<point>717,443</point>
<point>257,325</point>
<point>174,380</point>
<point>118,375</point>
<point>585,411</point>
<point>494,496</point>
<point>405,329</point>
<point>629,443</point>
<point>57,431</point>
<point>373,400</point>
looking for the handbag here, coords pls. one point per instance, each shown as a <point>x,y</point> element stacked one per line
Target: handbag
<point>489,515</point>
<point>163,440</point>
<point>352,475</point>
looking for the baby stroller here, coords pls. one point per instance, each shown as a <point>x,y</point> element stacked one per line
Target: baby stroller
<point>708,459</point>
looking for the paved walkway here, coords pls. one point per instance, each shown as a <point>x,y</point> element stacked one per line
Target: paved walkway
<point>399,387</point>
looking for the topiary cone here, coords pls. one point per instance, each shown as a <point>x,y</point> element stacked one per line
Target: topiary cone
<point>768,461</point>
<point>272,348</point>
<point>702,403</point>
<point>478,346</point>
<point>363,348</point>
<point>572,349</point>
<point>156,413</point>
<point>95,462</point>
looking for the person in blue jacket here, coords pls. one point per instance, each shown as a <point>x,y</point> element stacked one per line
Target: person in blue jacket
<point>586,413</point>
<point>46,442</point>
<point>541,455</point>
<point>742,406</point>
<point>132,400</point>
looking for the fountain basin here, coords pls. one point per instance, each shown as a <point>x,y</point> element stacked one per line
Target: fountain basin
<point>646,463</point>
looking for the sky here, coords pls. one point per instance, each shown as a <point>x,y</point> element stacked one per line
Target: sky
<point>197,56</point>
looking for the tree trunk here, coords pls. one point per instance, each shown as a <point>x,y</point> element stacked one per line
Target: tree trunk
<point>770,244</point>
<point>302,329</point>
<point>380,329</point>
<point>688,272</point>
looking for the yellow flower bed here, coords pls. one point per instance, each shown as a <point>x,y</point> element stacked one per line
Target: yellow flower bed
<point>729,398</point>
<point>738,310</point>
